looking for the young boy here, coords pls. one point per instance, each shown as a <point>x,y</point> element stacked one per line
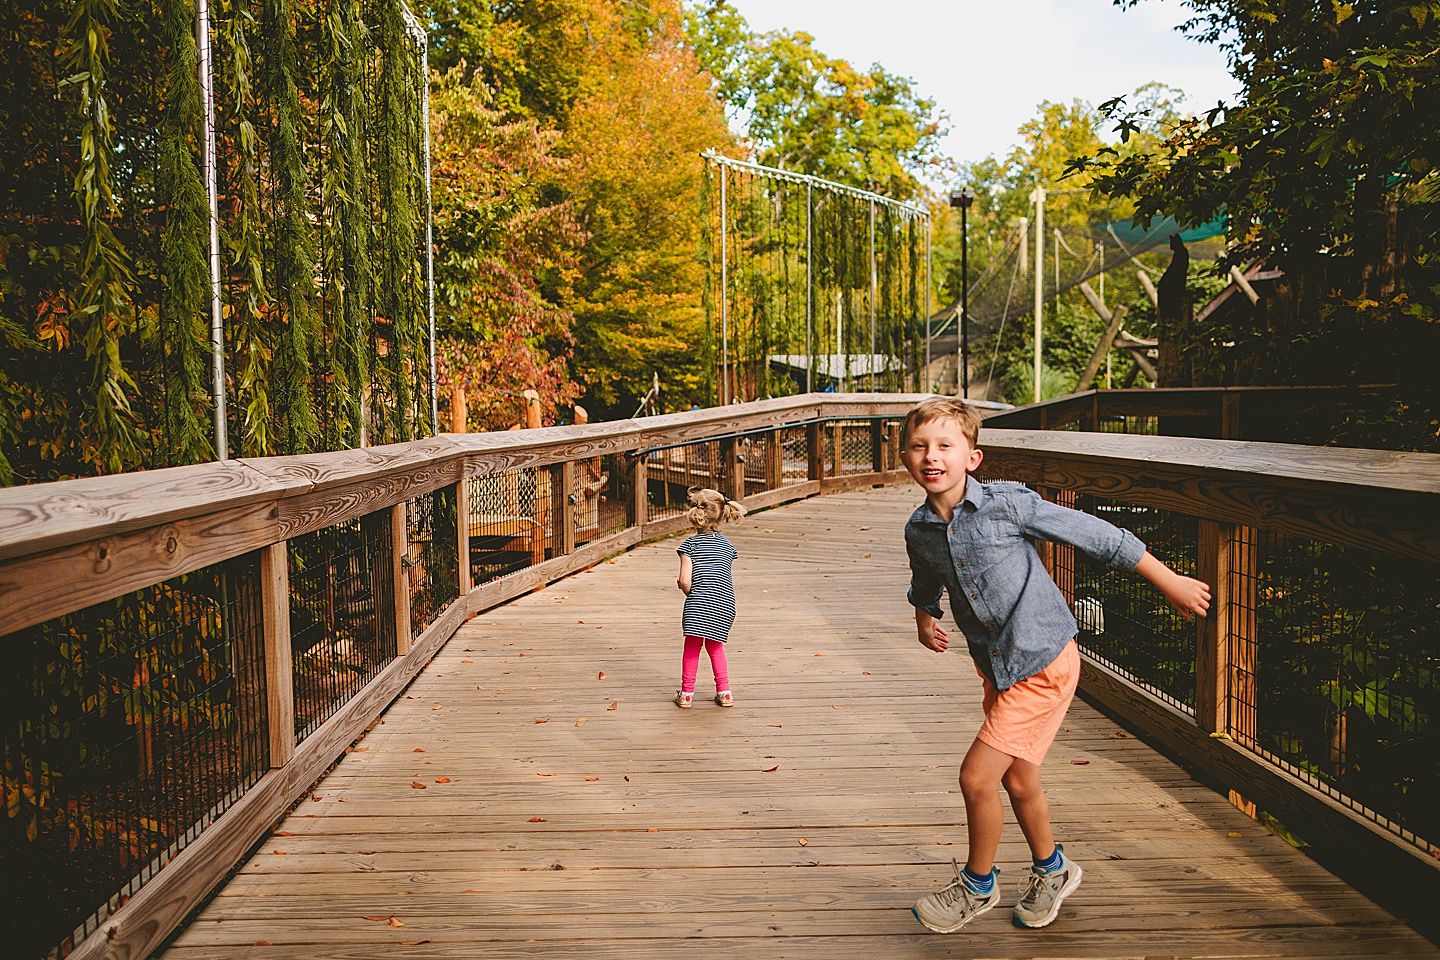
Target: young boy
<point>975,541</point>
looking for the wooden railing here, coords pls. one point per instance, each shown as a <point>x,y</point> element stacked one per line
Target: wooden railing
<point>1274,414</point>
<point>306,592</point>
<point>1312,691</point>
<point>200,643</point>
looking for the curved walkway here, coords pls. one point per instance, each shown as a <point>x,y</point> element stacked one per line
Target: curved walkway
<point>535,794</point>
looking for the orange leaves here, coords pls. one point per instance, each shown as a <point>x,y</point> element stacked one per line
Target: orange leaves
<point>771,769</point>
<point>417,785</point>
<point>601,675</point>
<point>542,719</point>
<point>442,779</point>
<point>537,820</point>
<point>614,706</point>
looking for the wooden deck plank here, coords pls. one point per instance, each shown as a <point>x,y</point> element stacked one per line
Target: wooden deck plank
<point>510,849</point>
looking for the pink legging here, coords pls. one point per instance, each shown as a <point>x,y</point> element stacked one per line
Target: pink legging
<point>690,664</point>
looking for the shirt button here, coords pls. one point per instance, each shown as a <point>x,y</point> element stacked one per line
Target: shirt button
<point>974,596</point>
<point>959,565</point>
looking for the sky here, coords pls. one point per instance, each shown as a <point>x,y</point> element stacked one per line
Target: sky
<point>989,63</point>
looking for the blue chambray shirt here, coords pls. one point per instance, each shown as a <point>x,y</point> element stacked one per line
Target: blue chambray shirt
<point>1014,617</point>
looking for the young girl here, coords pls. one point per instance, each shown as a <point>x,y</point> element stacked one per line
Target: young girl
<point>705,560</point>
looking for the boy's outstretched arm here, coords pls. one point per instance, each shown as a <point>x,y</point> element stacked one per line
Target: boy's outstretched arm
<point>1185,594</point>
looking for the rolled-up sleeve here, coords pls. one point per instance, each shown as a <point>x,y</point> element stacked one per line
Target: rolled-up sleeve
<point>1040,519</point>
<point>925,587</point>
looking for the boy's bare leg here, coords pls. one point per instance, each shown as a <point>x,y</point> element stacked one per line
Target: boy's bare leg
<point>1032,810</point>
<point>980,776</point>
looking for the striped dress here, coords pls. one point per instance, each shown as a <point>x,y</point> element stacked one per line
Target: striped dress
<point>710,606</point>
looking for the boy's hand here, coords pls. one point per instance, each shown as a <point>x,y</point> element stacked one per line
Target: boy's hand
<point>932,635</point>
<point>1186,594</point>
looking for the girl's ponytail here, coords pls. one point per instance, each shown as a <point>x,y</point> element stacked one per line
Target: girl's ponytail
<point>710,508</point>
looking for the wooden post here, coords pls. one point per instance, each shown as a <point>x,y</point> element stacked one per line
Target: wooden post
<point>638,503</point>
<point>814,451</point>
<point>1230,416</point>
<point>774,461</point>
<point>400,571</point>
<point>462,526</point>
<point>279,670</point>
<point>532,409</point>
<point>732,469</point>
<point>458,412</point>
<point>542,531</point>
<point>837,449</point>
<point>1212,646</point>
<point>877,446</point>
<point>1243,719</point>
<point>562,512</point>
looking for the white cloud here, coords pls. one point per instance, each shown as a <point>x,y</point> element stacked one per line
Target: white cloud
<point>988,63</point>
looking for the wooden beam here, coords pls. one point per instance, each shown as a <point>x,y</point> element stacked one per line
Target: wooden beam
<point>638,503</point>
<point>462,523</point>
<point>814,451</point>
<point>1212,646</point>
<point>1102,349</point>
<point>1149,286</point>
<point>564,499</point>
<point>279,666</point>
<point>400,572</point>
<point>1238,278</point>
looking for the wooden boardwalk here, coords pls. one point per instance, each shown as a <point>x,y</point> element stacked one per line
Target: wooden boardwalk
<point>535,794</point>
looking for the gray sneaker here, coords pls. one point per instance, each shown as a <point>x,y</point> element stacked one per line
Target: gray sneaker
<point>1044,891</point>
<point>953,905</point>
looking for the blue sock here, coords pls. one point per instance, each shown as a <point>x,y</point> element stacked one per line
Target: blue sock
<point>1053,863</point>
<point>978,883</point>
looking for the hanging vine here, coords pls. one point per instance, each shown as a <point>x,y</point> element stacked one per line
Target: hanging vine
<point>104,310</point>
<point>184,271</point>
<point>250,340</point>
<point>292,242</point>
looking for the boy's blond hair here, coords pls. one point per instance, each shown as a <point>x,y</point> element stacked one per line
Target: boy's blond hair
<point>944,408</point>
<point>710,508</point>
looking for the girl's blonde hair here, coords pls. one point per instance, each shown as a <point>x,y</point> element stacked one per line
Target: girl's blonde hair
<point>710,508</point>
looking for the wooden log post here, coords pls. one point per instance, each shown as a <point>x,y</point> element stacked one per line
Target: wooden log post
<point>564,496</point>
<point>814,451</point>
<point>1212,643</point>
<point>877,446</point>
<point>532,409</point>
<point>462,527</point>
<point>637,504</point>
<point>400,573</point>
<point>458,413</point>
<point>774,461</point>
<point>279,668</point>
<point>1230,428</point>
<point>732,469</point>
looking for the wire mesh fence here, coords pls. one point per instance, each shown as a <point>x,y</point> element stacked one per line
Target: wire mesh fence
<point>1336,674</point>
<point>432,556</point>
<point>672,472</point>
<point>598,497</point>
<point>1146,426</point>
<point>1124,621</point>
<point>509,515</point>
<point>342,614</point>
<point>125,728</point>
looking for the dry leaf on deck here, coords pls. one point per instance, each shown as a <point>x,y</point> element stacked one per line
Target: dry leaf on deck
<point>803,842</point>
<point>775,725</point>
<point>396,923</point>
<point>263,943</point>
<point>1232,833</point>
<point>418,750</point>
<point>601,675</point>
<point>438,706</point>
<point>442,779</point>
<point>380,919</point>
<point>542,719</point>
<point>591,779</point>
<point>771,769</point>
<point>614,706</point>
<point>544,774</point>
<point>412,943</point>
<point>417,784</point>
<point>467,661</point>
<point>537,820</point>
<point>1079,763</point>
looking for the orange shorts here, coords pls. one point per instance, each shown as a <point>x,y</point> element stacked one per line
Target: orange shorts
<point>1022,721</point>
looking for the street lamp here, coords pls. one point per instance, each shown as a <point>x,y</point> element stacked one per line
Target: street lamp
<point>962,198</point>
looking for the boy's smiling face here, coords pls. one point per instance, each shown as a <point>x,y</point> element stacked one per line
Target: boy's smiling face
<point>939,457</point>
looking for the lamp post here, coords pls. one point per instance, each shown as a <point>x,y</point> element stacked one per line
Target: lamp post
<point>962,198</point>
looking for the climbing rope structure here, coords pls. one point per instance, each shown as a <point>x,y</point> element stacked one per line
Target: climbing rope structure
<point>812,285</point>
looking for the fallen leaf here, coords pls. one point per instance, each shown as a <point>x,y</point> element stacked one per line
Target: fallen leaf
<point>359,749</point>
<point>418,750</point>
<point>580,721</point>
<point>591,779</point>
<point>438,706</point>
<point>278,852</point>
<point>803,842</point>
<point>366,853</point>
<point>544,774</point>
<point>524,654</point>
<point>263,943</point>
<point>627,779</point>
<point>652,829</point>
<point>396,923</point>
<point>866,673</point>
<point>537,819</point>
<point>1233,833</point>
<point>836,706</point>
<point>542,719</point>
<point>601,676</point>
<point>1079,763</point>
<point>417,784</point>
<point>442,779</point>
<point>282,833</point>
<point>614,706</point>
<point>413,943</point>
<point>478,687</point>
<point>943,843</point>
<point>467,661</point>
<point>467,891</point>
<point>775,725</point>
<point>378,919</point>
<point>316,797</point>
<point>819,654</point>
<point>579,621</point>
<point>865,556</point>
<point>771,769</point>
<point>341,800</point>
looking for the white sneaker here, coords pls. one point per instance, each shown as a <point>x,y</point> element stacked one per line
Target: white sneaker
<point>684,700</point>
<point>1044,890</point>
<point>954,905</point>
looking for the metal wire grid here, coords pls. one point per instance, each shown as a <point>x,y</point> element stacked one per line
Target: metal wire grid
<point>342,614</point>
<point>598,497</point>
<point>1124,622</point>
<point>1148,426</point>
<point>432,556</point>
<point>1336,675</point>
<point>509,520</point>
<point>673,471</point>
<point>847,447</point>
<point>125,728</point>
<point>795,455</point>
<point>762,461</point>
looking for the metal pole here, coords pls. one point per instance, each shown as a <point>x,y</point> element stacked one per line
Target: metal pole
<point>1039,280</point>
<point>965,301</point>
<point>872,296</point>
<point>724,299</point>
<point>843,357</point>
<point>927,304</point>
<point>217,323</point>
<point>421,36</point>
<point>809,301</point>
